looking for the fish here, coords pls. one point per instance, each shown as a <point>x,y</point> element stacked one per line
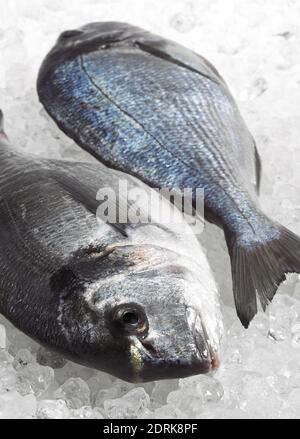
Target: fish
<point>156,110</point>
<point>127,299</point>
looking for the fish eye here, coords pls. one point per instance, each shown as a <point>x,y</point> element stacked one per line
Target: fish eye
<point>129,319</point>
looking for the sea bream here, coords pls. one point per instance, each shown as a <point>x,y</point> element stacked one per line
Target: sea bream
<point>158,111</point>
<point>136,300</point>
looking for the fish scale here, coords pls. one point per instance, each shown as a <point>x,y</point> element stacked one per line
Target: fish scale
<point>188,125</point>
<point>162,120</point>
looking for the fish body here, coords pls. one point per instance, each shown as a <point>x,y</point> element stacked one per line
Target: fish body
<point>124,299</point>
<point>156,110</point>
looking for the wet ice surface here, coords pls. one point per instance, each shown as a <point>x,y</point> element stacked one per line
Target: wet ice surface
<point>255,46</point>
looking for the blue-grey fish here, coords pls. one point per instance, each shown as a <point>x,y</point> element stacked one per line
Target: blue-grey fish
<point>154,109</point>
<point>123,298</point>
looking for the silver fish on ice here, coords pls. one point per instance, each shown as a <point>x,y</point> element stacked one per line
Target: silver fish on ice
<point>126,299</point>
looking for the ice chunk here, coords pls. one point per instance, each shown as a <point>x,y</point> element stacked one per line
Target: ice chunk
<point>282,317</point>
<point>207,389</point>
<point>19,341</point>
<point>119,389</point>
<point>219,412</point>
<point>234,381</point>
<point>297,289</point>
<point>194,393</point>
<point>75,392</point>
<point>8,379</point>
<point>168,412</point>
<point>2,337</point>
<point>53,410</point>
<point>23,358</point>
<point>34,379</point>
<point>106,394</point>
<point>185,401</point>
<point>5,358</point>
<point>87,413</point>
<point>161,391</point>
<point>131,406</point>
<point>100,381</point>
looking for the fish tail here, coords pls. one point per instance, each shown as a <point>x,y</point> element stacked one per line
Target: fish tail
<point>258,268</point>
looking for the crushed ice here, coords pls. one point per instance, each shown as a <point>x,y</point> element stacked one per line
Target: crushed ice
<point>255,47</point>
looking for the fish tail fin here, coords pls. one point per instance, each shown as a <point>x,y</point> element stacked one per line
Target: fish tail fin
<point>260,267</point>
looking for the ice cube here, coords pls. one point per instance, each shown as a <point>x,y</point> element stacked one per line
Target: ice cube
<point>283,315</point>
<point>87,413</point>
<point>118,389</point>
<point>75,392</point>
<point>206,388</point>
<point>106,394</point>
<point>8,379</point>
<point>5,358</point>
<point>168,412</point>
<point>194,393</point>
<point>217,412</point>
<point>34,379</point>
<point>131,406</point>
<point>100,381</point>
<point>49,409</point>
<point>2,337</point>
<point>22,359</point>
<point>161,391</point>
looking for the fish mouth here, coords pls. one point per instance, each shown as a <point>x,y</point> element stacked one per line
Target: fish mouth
<point>150,365</point>
<point>205,350</point>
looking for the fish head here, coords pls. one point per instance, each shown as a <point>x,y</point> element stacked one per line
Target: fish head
<point>140,317</point>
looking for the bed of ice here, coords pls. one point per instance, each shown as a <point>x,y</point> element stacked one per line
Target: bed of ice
<point>255,45</point>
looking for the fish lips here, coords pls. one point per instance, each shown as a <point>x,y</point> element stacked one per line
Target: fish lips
<point>206,352</point>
